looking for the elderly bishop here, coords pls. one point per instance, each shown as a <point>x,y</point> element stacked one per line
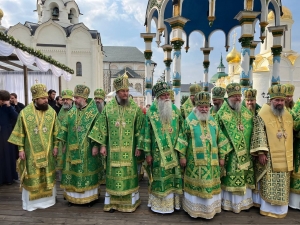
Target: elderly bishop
<point>161,129</point>
<point>236,122</point>
<point>204,144</point>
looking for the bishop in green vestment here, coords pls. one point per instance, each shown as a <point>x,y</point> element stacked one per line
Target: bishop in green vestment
<point>160,133</point>
<point>218,94</point>
<point>67,98</point>
<point>272,144</point>
<point>35,135</point>
<point>82,170</point>
<point>117,130</point>
<point>295,176</point>
<point>204,144</point>
<point>289,102</point>
<point>189,104</point>
<point>236,122</point>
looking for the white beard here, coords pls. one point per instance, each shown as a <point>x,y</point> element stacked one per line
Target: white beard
<point>277,112</point>
<point>201,116</point>
<point>237,106</point>
<point>165,111</point>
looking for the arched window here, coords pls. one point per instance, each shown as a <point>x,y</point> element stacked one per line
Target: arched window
<point>78,69</point>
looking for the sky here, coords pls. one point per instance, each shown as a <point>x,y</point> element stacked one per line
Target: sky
<point>120,23</point>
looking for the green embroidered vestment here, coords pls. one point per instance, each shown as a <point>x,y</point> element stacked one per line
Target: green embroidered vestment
<point>62,115</point>
<point>81,170</point>
<point>186,108</point>
<point>35,133</point>
<point>159,141</point>
<point>118,128</point>
<point>239,172</point>
<point>295,176</point>
<point>203,142</point>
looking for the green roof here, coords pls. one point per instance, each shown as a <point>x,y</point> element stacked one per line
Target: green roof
<point>215,77</point>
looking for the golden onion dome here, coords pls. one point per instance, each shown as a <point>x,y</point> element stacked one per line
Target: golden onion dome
<point>234,56</point>
<point>1,14</point>
<point>287,14</point>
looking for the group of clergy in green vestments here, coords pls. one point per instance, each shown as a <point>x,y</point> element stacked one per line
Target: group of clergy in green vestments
<point>203,158</point>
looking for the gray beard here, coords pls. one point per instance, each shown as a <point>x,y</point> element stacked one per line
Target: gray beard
<point>80,105</point>
<point>122,102</point>
<point>66,106</point>
<point>236,106</point>
<point>201,116</point>
<point>277,112</point>
<point>100,106</point>
<point>165,111</point>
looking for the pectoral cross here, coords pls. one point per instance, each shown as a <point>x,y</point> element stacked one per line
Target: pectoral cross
<point>77,128</point>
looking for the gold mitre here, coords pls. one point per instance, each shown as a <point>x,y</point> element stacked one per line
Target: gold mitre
<point>202,98</point>
<point>39,91</point>
<point>99,93</point>
<point>122,82</point>
<point>194,89</point>
<point>233,89</point>
<point>172,97</point>
<point>250,94</point>
<point>289,89</point>
<point>218,93</point>
<point>67,94</point>
<point>81,91</point>
<point>277,91</point>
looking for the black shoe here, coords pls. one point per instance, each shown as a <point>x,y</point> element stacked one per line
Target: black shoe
<point>70,204</point>
<point>90,204</point>
<point>111,210</point>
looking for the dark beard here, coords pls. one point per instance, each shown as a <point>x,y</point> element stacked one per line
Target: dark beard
<point>100,106</point>
<point>122,102</point>
<point>277,111</point>
<point>42,107</point>
<point>290,105</point>
<point>216,107</point>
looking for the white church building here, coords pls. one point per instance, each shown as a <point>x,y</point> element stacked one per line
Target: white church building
<point>59,34</point>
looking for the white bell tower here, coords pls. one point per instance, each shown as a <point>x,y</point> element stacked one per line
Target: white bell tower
<point>64,12</point>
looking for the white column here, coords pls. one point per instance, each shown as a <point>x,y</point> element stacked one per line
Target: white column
<point>167,60</point>
<point>206,63</point>
<point>148,37</point>
<point>252,58</point>
<point>277,32</point>
<point>246,19</point>
<point>177,23</point>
